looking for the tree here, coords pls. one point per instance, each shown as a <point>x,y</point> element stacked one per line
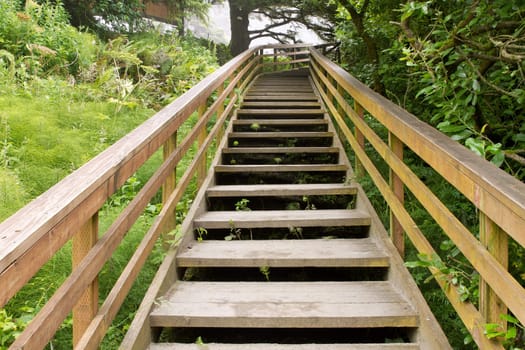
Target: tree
<point>280,13</point>
<point>181,9</point>
<point>119,15</point>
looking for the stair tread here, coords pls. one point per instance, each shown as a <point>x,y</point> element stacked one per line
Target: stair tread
<point>281,104</point>
<point>284,253</point>
<point>280,150</point>
<point>280,121</point>
<point>283,218</point>
<point>290,111</point>
<point>276,96</point>
<point>283,190</point>
<point>283,305</point>
<point>268,346</point>
<point>279,168</point>
<point>273,134</point>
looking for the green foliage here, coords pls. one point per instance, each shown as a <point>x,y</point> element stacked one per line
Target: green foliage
<point>512,334</point>
<point>469,73</point>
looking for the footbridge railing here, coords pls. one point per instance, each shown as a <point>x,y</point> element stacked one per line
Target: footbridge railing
<point>69,210</point>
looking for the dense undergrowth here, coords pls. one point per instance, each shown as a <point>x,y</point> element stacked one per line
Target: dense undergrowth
<point>66,95</point>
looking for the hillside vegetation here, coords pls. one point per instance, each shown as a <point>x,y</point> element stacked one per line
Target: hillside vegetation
<point>65,95</point>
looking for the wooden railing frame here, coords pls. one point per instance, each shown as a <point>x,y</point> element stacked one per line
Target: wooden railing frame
<point>499,197</point>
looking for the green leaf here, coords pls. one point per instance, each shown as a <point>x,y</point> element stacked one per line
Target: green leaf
<point>477,146</point>
<point>475,85</point>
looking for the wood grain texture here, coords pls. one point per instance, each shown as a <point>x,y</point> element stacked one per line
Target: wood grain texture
<point>284,253</point>
<point>283,304</point>
<point>282,218</point>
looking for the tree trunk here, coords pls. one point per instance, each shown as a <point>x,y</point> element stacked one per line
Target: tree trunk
<point>372,53</point>
<point>239,22</point>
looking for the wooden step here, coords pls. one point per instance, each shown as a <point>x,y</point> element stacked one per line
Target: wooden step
<point>282,218</point>
<point>281,150</point>
<point>284,253</point>
<point>259,346</point>
<point>280,121</point>
<point>279,168</point>
<point>280,104</point>
<point>283,305</point>
<point>280,134</point>
<point>281,190</point>
<point>280,111</point>
<point>276,96</point>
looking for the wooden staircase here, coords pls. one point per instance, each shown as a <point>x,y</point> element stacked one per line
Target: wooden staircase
<point>283,250</point>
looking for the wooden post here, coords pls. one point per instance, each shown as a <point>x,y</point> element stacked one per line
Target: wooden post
<point>87,306</point>
<point>496,242</point>
<point>359,169</point>
<point>201,169</point>
<point>168,187</point>
<point>397,233</point>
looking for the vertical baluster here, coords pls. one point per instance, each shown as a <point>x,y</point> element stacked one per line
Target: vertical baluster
<point>496,242</point>
<point>201,168</point>
<point>396,230</point>
<point>359,169</point>
<point>87,306</point>
<point>168,187</point>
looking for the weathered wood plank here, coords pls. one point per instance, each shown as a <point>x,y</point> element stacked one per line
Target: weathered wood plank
<point>283,218</point>
<point>283,304</point>
<point>284,111</point>
<point>281,134</point>
<point>282,190</point>
<point>241,150</point>
<point>284,253</point>
<point>279,167</point>
<point>274,96</point>
<point>287,104</point>
<point>280,121</point>
<point>264,346</point>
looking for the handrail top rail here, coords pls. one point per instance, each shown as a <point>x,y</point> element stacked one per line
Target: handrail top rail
<point>30,223</point>
<point>484,175</point>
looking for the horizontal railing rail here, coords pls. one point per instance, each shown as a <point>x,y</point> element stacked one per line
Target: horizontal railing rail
<point>498,197</point>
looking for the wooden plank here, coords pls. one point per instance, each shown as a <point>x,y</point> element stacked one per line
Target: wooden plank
<point>282,190</point>
<point>281,150</point>
<point>284,253</point>
<point>283,305</point>
<point>264,346</point>
<point>279,168</point>
<point>287,104</point>
<point>296,111</point>
<point>279,97</point>
<point>295,121</point>
<point>283,218</point>
<point>277,134</point>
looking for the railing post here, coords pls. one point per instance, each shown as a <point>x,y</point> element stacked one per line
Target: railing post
<point>201,168</point>
<point>87,306</point>
<point>168,187</point>
<point>359,169</point>
<point>396,230</point>
<point>496,242</point>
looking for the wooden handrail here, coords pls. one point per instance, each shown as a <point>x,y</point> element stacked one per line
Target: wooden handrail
<point>498,196</point>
